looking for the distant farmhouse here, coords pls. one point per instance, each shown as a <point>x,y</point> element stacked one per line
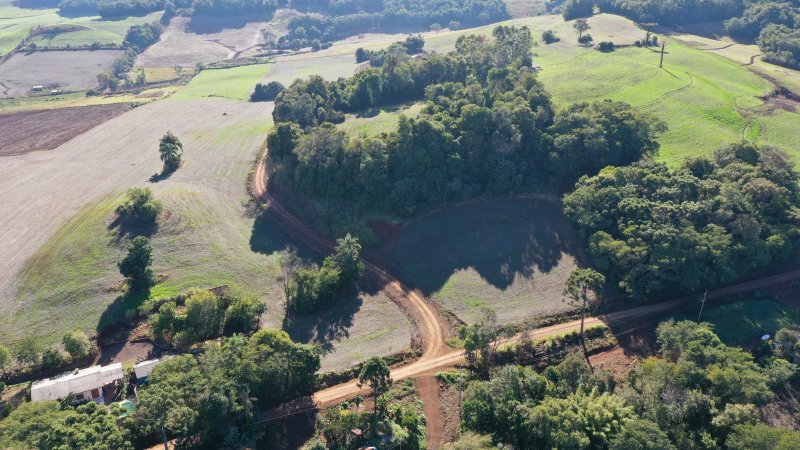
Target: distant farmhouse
<point>96,383</point>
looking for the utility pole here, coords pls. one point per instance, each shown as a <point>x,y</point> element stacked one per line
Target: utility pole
<point>702,303</point>
<point>661,64</point>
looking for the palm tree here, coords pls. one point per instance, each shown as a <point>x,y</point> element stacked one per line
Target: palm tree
<point>171,149</point>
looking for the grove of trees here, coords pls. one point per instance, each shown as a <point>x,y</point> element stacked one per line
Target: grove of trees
<point>488,128</point>
<point>700,394</point>
<point>653,230</point>
<point>394,14</point>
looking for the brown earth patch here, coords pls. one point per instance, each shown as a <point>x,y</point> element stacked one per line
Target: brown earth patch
<point>30,131</point>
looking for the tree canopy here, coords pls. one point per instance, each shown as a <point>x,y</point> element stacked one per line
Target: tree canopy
<point>653,230</point>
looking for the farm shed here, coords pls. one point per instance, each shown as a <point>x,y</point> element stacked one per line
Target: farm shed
<point>93,383</point>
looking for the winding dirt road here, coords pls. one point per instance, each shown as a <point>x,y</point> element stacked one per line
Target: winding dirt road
<point>436,354</point>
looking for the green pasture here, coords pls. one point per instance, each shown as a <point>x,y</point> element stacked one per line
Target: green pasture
<point>15,23</point>
<point>235,83</point>
<point>706,100</point>
<point>375,122</point>
<point>745,321</point>
<point>510,256</point>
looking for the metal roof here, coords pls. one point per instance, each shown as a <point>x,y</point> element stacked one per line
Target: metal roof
<point>75,382</point>
<point>144,368</point>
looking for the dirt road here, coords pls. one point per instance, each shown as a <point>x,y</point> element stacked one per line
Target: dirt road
<point>436,355</point>
<point>429,323</point>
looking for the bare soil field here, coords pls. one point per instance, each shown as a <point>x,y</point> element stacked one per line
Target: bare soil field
<point>30,131</point>
<point>66,70</point>
<point>183,44</point>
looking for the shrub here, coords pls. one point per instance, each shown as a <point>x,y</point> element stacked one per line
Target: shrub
<point>606,46</point>
<point>585,39</point>
<point>28,350</point>
<point>550,37</point>
<point>139,207</point>
<point>76,344</point>
<point>52,358</point>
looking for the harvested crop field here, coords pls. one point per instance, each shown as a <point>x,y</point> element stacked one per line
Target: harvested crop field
<point>183,44</point>
<point>30,131</point>
<point>511,256</point>
<point>65,70</point>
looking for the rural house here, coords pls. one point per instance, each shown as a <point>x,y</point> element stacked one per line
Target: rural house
<point>96,383</point>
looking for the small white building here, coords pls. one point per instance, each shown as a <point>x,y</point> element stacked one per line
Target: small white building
<point>92,384</point>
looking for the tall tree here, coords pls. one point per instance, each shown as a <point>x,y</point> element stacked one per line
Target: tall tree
<point>376,374</point>
<point>136,264</point>
<point>579,284</point>
<point>581,26</point>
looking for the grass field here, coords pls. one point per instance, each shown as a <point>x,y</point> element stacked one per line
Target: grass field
<point>525,8</point>
<point>696,89</point>
<point>16,22</point>
<point>745,321</point>
<point>510,256</point>
<point>234,83</point>
<point>377,122</point>
<point>59,269</point>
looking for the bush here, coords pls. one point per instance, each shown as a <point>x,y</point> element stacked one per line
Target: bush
<point>606,46</point>
<point>76,344</point>
<point>550,37</point>
<point>585,39</point>
<point>139,207</point>
<point>52,358</point>
<point>267,92</point>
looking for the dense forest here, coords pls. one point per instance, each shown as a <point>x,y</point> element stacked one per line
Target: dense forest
<point>488,128</point>
<point>394,14</point>
<point>700,394</point>
<point>711,221</point>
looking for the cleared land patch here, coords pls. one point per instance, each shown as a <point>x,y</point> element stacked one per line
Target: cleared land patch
<point>66,70</point>
<point>374,122</point>
<point>511,256</point>
<point>30,131</point>
<point>744,322</point>
<point>186,44</point>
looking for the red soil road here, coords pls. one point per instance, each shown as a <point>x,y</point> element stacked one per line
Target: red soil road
<point>435,356</point>
<point>428,391</point>
<point>426,317</point>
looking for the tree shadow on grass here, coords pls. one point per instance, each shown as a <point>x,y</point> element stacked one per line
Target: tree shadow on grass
<point>123,230</point>
<point>325,327</point>
<point>207,24</point>
<point>114,317</point>
<point>501,239</point>
<point>268,238</point>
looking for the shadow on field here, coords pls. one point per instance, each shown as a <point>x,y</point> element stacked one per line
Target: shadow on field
<point>501,239</point>
<point>116,312</point>
<point>267,238</point>
<point>202,24</point>
<point>326,326</point>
